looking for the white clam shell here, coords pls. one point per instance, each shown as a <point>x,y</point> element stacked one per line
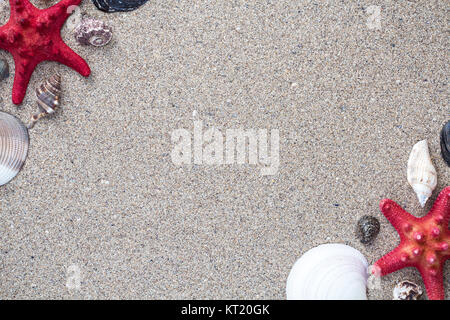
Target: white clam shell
<point>14,142</point>
<point>421,173</point>
<point>328,272</point>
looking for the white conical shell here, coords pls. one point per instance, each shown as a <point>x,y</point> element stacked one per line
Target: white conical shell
<point>14,144</point>
<point>328,272</point>
<point>421,173</point>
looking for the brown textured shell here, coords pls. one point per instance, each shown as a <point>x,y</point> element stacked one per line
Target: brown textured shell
<point>367,229</point>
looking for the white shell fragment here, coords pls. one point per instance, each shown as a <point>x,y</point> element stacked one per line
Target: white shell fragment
<point>407,290</point>
<point>328,272</point>
<point>94,32</point>
<point>14,144</point>
<point>421,173</point>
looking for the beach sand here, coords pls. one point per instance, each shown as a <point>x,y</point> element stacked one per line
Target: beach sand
<point>100,211</point>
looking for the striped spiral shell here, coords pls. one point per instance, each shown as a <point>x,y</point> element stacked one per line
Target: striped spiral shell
<point>14,142</point>
<point>48,94</point>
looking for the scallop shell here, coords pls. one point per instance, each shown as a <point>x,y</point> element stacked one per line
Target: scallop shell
<point>407,290</point>
<point>421,173</point>
<point>367,229</point>
<point>93,32</point>
<point>329,271</point>
<point>49,93</point>
<point>4,69</point>
<point>14,142</point>
<point>445,142</point>
<point>118,5</point>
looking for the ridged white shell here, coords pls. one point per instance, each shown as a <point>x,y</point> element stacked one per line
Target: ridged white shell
<point>328,272</point>
<point>421,173</point>
<point>14,144</point>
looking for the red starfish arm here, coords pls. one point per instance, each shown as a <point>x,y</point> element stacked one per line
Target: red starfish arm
<point>434,284</point>
<point>3,38</point>
<point>399,218</point>
<point>24,70</point>
<point>392,261</point>
<point>67,56</point>
<point>441,207</point>
<point>15,4</point>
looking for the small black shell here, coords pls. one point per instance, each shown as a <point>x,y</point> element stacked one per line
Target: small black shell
<point>118,5</point>
<point>367,229</point>
<point>4,69</point>
<point>445,142</point>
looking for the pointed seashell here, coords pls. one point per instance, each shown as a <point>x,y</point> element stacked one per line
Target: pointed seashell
<point>118,5</point>
<point>48,96</point>
<point>14,144</point>
<point>421,173</point>
<point>329,271</point>
<point>49,93</point>
<point>4,69</point>
<point>407,290</point>
<point>93,32</point>
<point>445,142</point>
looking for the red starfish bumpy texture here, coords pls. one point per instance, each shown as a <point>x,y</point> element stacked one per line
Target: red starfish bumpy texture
<point>424,243</point>
<point>33,35</point>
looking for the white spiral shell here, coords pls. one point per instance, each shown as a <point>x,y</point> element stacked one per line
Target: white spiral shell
<point>328,272</point>
<point>421,173</point>
<point>14,142</point>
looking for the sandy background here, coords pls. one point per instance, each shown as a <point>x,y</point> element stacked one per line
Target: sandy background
<point>99,193</point>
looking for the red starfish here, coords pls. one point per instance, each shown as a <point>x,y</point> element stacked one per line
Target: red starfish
<point>33,35</point>
<point>424,243</point>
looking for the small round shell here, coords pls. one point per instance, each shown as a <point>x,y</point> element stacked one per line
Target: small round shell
<point>93,32</point>
<point>367,229</point>
<point>14,142</point>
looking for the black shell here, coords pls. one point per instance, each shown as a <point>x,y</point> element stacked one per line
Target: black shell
<point>4,69</point>
<point>118,5</point>
<point>367,229</point>
<point>445,142</point>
